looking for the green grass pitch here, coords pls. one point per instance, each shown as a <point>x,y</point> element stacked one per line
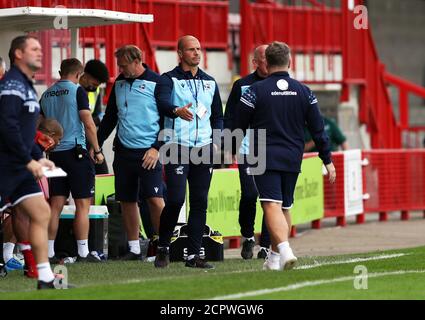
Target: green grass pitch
<point>397,274</point>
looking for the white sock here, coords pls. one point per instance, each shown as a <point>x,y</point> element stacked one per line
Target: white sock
<point>24,246</point>
<point>283,247</point>
<point>274,256</point>
<point>8,248</point>
<point>83,248</point>
<point>45,272</point>
<point>134,246</point>
<point>51,252</point>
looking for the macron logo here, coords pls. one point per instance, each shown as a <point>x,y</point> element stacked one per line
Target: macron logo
<point>156,189</point>
<point>179,170</point>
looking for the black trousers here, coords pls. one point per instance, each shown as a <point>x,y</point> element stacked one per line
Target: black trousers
<point>199,178</point>
<point>248,207</point>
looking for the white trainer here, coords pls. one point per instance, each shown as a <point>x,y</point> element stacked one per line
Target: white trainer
<point>288,260</point>
<point>272,261</point>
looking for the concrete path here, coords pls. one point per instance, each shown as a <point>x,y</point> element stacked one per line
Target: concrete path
<point>371,236</point>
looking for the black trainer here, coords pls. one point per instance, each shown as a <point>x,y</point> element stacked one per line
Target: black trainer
<point>153,247</point>
<point>131,256</point>
<point>262,254</point>
<point>248,249</point>
<point>197,262</point>
<point>41,285</point>
<point>90,258</point>
<point>162,259</point>
<point>3,271</point>
<point>55,260</point>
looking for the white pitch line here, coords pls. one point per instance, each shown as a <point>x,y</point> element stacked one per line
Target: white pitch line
<point>300,285</point>
<point>316,265</point>
<point>354,260</point>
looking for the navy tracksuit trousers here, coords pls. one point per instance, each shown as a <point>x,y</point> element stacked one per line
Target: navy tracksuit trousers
<point>248,207</point>
<point>199,178</point>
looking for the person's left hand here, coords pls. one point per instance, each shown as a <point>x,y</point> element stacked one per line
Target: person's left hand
<point>47,163</point>
<point>99,158</point>
<point>332,172</point>
<point>150,159</point>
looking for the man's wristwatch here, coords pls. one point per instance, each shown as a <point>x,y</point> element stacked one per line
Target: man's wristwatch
<point>175,111</point>
<point>98,152</point>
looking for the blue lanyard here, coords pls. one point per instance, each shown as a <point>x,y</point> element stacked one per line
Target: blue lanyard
<point>194,94</point>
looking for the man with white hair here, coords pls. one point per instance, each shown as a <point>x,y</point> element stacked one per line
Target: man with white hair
<point>249,193</point>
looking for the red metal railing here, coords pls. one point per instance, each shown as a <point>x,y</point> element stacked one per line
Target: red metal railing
<point>394,180</point>
<point>310,28</point>
<point>207,20</point>
<point>334,193</point>
<point>405,88</point>
<point>413,136</point>
<point>362,66</point>
<point>315,28</point>
<point>307,29</point>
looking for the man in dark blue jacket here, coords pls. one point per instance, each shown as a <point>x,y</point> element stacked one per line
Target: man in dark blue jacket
<point>190,101</point>
<point>21,162</point>
<point>249,193</point>
<point>281,106</point>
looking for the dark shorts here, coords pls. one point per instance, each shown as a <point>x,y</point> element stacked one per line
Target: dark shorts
<point>130,176</point>
<point>80,179</point>
<point>277,186</point>
<point>16,187</point>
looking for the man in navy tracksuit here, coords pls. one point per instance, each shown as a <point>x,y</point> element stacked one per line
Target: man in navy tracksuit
<point>21,162</point>
<point>249,193</point>
<point>191,104</point>
<point>132,108</point>
<point>282,106</point>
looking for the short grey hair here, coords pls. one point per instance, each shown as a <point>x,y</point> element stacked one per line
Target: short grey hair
<point>257,50</point>
<point>278,54</point>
